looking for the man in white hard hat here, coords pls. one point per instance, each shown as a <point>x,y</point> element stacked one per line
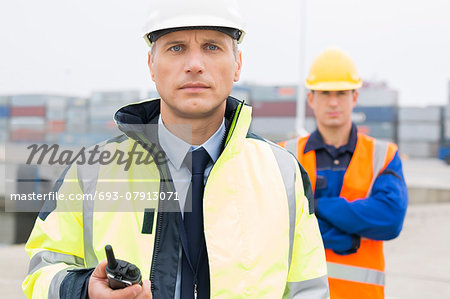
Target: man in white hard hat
<point>359,189</point>
<point>250,229</point>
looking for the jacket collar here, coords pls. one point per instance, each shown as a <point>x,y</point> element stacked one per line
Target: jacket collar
<point>132,118</point>
<point>315,141</point>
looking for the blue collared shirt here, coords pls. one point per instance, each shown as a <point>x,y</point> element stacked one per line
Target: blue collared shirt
<point>176,150</point>
<point>331,162</point>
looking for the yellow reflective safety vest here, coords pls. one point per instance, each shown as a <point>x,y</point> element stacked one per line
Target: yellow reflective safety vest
<point>261,235</point>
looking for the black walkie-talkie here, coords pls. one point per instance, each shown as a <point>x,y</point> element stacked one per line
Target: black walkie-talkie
<point>121,274</point>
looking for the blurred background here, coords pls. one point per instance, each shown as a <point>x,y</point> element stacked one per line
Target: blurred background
<point>66,66</point>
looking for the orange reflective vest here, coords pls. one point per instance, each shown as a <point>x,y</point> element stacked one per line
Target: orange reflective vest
<point>359,275</point>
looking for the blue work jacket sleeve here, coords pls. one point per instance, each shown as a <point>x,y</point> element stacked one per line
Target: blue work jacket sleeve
<point>379,216</point>
<point>337,240</point>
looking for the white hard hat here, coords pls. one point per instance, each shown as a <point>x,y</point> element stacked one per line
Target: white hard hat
<point>174,15</point>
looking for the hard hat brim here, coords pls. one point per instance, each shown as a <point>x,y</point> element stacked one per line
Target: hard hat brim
<point>334,86</point>
<point>232,32</point>
<point>193,21</point>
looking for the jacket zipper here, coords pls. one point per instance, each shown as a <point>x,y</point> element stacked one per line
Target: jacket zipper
<point>158,239</point>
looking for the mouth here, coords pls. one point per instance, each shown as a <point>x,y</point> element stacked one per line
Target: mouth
<point>333,113</point>
<point>194,87</point>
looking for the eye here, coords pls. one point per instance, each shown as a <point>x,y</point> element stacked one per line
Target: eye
<point>212,47</point>
<point>176,48</point>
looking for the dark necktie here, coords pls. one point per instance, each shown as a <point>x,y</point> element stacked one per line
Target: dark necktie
<point>193,223</point>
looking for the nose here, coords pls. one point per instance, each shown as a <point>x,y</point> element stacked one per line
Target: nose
<point>195,62</point>
<point>333,100</point>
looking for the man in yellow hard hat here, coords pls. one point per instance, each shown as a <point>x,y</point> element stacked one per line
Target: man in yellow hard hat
<point>245,228</point>
<point>359,190</point>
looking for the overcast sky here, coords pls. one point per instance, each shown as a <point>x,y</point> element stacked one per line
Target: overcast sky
<point>77,46</point>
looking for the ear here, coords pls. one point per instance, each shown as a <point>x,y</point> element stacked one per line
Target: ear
<point>150,65</point>
<point>237,73</point>
<point>355,97</point>
<point>310,98</point>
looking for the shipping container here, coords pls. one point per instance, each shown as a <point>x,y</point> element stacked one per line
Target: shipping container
<point>378,95</point>
<point>419,131</point>
<point>27,135</point>
<point>109,127</point>
<point>57,102</point>
<point>274,109</point>
<point>310,124</point>
<point>28,100</point>
<point>4,111</point>
<point>77,102</point>
<point>28,111</point>
<point>79,139</point>
<point>74,127</point>
<point>4,121</point>
<point>56,126</point>
<point>273,93</point>
<point>77,115</point>
<point>308,110</point>
<point>273,125</point>
<point>363,114</point>
<point>419,149</point>
<point>447,129</point>
<point>380,130</point>
<point>126,96</point>
<point>4,136</point>
<point>37,123</point>
<point>241,92</point>
<point>103,112</point>
<point>416,114</point>
<point>4,100</point>
<point>56,114</point>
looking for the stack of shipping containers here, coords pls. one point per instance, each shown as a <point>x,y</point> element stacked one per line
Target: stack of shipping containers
<point>102,106</point>
<point>4,115</point>
<point>274,110</point>
<point>447,124</point>
<point>27,122</point>
<point>56,117</point>
<point>444,149</point>
<point>242,93</point>
<point>419,131</point>
<point>376,112</point>
<point>77,117</point>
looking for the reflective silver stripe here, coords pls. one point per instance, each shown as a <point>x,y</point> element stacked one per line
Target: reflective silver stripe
<point>357,274</point>
<point>316,288</point>
<point>292,146</point>
<point>88,176</point>
<point>287,168</point>
<point>379,156</point>
<point>53,290</point>
<point>46,258</point>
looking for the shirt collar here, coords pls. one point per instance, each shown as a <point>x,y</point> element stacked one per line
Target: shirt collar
<point>176,148</point>
<point>214,143</point>
<point>315,141</point>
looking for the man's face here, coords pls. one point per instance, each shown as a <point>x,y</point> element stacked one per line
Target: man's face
<point>333,109</point>
<point>194,71</point>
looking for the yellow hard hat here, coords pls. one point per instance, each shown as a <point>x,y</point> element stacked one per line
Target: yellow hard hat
<point>333,69</point>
